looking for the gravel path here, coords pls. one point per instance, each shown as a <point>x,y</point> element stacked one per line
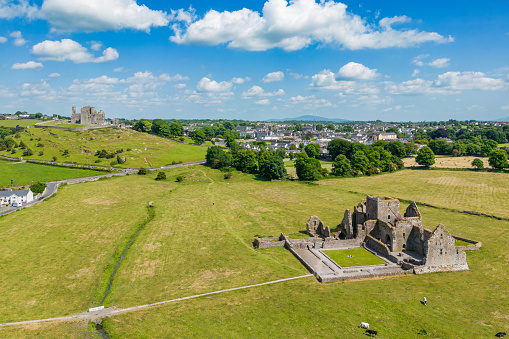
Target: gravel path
<point>108,312</point>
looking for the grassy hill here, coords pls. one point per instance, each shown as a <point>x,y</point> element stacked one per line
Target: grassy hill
<point>140,149</point>
<point>200,241</point>
<point>24,173</point>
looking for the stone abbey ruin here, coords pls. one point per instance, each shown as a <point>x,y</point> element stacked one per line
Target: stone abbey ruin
<point>375,224</point>
<point>87,116</point>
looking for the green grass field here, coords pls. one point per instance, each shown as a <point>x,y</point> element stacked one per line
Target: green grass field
<point>24,173</point>
<point>201,241</point>
<point>189,140</point>
<point>146,150</point>
<point>359,257</point>
<point>20,122</point>
<point>290,168</point>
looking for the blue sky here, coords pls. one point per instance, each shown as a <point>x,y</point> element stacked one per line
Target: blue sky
<point>256,60</point>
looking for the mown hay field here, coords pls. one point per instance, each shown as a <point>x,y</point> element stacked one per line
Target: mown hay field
<point>465,190</point>
<point>201,241</point>
<point>145,150</point>
<point>449,162</point>
<point>23,173</point>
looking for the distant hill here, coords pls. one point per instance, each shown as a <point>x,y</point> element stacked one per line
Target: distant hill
<point>503,119</point>
<point>308,118</point>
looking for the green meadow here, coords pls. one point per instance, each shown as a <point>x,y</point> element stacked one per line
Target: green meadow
<point>54,254</point>
<point>20,122</point>
<point>23,173</point>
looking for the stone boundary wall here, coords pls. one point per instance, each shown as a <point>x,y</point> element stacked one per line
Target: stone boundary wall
<point>310,269</point>
<point>474,247</point>
<point>269,242</point>
<point>377,245</point>
<point>76,128</point>
<point>433,269</point>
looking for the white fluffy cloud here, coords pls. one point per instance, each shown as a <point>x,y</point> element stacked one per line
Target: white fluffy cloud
<point>274,76</point>
<point>295,25</point>
<point>353,70</point>
<point>350,79</point>
<point>240,81</point>
<point>439,63</point>
<point>257,91</point>
<point>67,49</point>
<point>469,81</point>
<point>309,102</point>
<point>96,45</point>
<point>448,83</point>
<point>262,102</point>
<point>16,8</point>
<point>27,65</point>
<point>208,85</point>
<point>18,39</point>
<point>3,39</point>
<point>101,15</point>
<point>54,75</point>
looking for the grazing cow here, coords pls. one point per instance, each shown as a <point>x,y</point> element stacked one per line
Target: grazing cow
<point>500,334</point>
<point>372,333</point>
<point>364,325</point>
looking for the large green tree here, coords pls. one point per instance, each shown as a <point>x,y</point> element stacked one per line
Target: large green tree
<point>478,163</point>
<point>425,157</point>
<point>341,166</point>
<point>217,157</point>
<point>339,146</point>
<point>360,162</point>
<point>396,148</point>
<point>245,161</point>
<point>158,125</point>
<point>307,168</point>
<point>273,168</point>
<point>313,150</point>
<point>498,159</point>
<point>143,125</point>
<point>176,129</point>
<point>198,136</point>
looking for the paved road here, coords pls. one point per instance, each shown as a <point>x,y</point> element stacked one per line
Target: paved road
<point>108,312</point>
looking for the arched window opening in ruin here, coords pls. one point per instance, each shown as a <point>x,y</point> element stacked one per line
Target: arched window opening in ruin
<point>404,246</point>
<point>388,239</point>
<point>440,252</point>
<point>389,216</point>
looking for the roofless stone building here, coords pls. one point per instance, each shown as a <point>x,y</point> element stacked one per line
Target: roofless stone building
<point>87,116</point>
<point>376,225</point>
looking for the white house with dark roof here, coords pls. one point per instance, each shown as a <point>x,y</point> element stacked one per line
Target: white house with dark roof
<point>16,197</point>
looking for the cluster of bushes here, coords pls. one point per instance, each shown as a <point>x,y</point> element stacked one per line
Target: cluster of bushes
<point>264,162</point>
<point>38,187</point>
<point>6,131</point>
<point>175,130</point>
<point>353,159</point>
<point>472,146</point>
<point>159,127</point>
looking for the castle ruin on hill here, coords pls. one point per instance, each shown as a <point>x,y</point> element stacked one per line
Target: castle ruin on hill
<point>87,116</point>
<point>375,224</point>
